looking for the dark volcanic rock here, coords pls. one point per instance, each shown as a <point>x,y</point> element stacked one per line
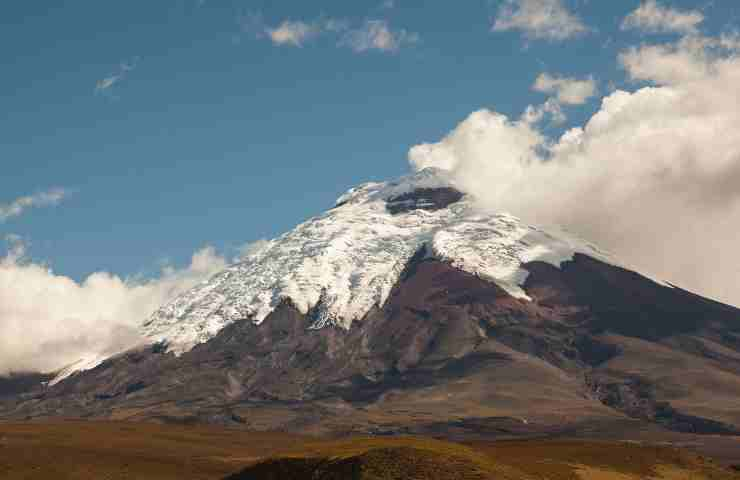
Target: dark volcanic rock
<point>447,348</point>
<point>17,383</point>
<point>624,302</point>
<point>424,199</point>
<point>636,398</point>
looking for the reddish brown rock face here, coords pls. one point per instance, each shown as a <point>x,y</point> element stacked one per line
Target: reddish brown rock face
<point>448,352</point>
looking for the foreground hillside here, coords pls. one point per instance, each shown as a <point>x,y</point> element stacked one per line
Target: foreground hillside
<point>118,451</point>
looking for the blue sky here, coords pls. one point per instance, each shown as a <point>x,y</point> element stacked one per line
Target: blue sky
<point>144,144</point>
<point>176,124</point>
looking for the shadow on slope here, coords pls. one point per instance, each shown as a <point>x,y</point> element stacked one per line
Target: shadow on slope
<point>376,464</point>
<point>421,459</point>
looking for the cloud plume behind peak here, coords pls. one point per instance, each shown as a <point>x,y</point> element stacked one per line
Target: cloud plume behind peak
<point>652,176</point>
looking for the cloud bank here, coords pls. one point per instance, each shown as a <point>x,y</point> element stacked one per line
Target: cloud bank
<point>653,176</point>
<point>50,320</point>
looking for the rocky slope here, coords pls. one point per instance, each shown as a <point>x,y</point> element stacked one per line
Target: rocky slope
<point>342,264</point>
<point>403,309</point>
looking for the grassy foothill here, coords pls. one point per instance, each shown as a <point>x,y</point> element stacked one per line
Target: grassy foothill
<point>128,451</point>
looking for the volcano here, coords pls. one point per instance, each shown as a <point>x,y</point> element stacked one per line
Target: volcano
<point>405,309</point>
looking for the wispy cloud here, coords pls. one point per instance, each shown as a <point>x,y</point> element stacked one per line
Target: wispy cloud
<point>539,20</point>
<point>293,33</point>
<point>251,249</point>
<point>18,206</point>
<point>377,35</point>
<point>565,91</point>
<point>653,17</point>
<point>16,247</point>
<point>370,35</point>
<point>105,84</point>
<point>551,108</point>
<point>568,91</point>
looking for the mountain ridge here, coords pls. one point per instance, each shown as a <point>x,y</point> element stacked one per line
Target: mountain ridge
<point>475,324</point>
<point>344,262</point>
<point>448,351</point>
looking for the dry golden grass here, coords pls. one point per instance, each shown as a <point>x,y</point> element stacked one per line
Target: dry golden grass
<point>118,451</point>
<point>663,472</point>
<point>128,451</point>
<point>574,460</point>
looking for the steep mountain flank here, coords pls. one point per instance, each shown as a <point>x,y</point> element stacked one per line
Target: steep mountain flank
<point>446,347</point>
<point>404,309</point>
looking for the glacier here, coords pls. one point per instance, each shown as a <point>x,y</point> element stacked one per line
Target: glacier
<point>341,264</point>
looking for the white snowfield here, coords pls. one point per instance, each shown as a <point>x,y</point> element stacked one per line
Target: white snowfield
<point>342,263</point>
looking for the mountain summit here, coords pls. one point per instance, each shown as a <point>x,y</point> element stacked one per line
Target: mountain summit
<point>406,309</point>
<point>341,264</point>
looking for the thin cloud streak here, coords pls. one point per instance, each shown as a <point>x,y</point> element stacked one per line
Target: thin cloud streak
<point>20,205</point>
<point>375,34</point>
<point>106,84</point>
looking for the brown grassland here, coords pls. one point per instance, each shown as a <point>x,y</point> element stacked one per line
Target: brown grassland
<point>118,451</point>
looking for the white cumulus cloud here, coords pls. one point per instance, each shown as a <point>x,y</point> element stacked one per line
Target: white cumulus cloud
<point>691,59</point>
<point>539,19</point>
<point>653,176</point>
<point>653,17</point>
<point>48,320</point>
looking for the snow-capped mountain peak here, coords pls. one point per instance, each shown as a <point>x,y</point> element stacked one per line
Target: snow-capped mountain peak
<point>341,264</point>
<point>428,178</point>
